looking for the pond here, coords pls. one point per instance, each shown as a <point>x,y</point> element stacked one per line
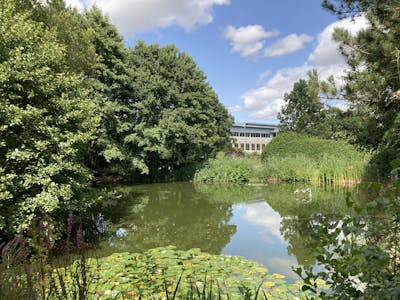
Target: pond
<point>276,225</point>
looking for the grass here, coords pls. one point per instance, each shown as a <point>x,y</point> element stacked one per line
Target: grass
<point>290,157</point>
<point>294,157</point>
<point>226,170</point>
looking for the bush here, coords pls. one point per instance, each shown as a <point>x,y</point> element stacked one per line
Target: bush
<point>297,157</point>
<point>236,152</point>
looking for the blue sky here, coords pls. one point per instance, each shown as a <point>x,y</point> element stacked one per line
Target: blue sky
<point>252,51</point>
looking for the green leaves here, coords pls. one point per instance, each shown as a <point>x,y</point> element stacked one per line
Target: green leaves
<point>360,252</point>
<point>46,118</point>
<point>297,157</point>
<point>373,79</point>
<point>177,117</point>
<point>170,273</point>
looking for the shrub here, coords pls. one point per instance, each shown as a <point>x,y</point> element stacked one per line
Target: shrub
<point>297,157</point>
<point>236,152</point>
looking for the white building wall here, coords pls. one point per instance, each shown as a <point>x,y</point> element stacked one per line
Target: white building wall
<point>252,137</point>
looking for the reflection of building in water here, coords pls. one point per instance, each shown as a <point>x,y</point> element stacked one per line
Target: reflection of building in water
<point>252,137</point>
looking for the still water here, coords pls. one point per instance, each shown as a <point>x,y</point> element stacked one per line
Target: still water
<point>276,225</point>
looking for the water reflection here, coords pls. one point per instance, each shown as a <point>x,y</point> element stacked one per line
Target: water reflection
<point>270,224</point>
<point>173,214</point>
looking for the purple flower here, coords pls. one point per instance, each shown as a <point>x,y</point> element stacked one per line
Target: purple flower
<point>69,227</point>
<point>48,237</point>
<point>79,239</point>
<point>41,225</point>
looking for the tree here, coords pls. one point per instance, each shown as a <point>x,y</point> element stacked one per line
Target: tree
<point>70,28</point>
<point>304,112</point>
<point>46,119</point>
<point>178,119</point>
<point>373,82</point>
<point>303,109</point>
<point>300,112</point>
<point>111,79</point>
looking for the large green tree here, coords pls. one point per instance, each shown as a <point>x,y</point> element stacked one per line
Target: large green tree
<point>301,110</point>
<point>373,82</point>
<point>111,80</point>
<point>46,119</point>
<point>304,112</point>
<point>178,119</point>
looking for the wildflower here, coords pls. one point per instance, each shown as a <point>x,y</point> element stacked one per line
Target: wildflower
<point>79,239</point>
<point>41,225</point>
<point>69,229</point>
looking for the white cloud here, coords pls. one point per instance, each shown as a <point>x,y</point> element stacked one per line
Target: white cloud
<point>266,101</point>
<point>236,108</point>
<point>263,75</point>
<point>260,213</point>
<point>326,52</point>
<point>76,4</point>
<point>133,16</point>
<point>247,40</point>
<point>288,44</point>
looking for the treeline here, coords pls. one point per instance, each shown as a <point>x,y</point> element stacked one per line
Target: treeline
<point>371,89</point>
<point>76,103</point>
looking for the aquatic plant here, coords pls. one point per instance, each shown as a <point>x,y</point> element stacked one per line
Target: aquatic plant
<point>168,273</point>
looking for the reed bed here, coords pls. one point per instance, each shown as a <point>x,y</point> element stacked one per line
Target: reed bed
<point>295,157</point>
<point>226,170</point>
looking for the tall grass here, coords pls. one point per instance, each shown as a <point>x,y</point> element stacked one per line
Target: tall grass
<point>224,170</point>
<point>295,157</point>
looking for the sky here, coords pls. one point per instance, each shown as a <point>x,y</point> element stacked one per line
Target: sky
<point>252,51</point>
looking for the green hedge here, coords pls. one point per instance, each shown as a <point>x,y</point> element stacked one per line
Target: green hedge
<point>298,157</point>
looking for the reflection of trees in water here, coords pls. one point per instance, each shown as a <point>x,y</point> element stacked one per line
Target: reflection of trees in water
<point>197,215</point>
<point>171,214</point>
<point>303,235</point>
<point>229,193</point>
<point>301,220</point>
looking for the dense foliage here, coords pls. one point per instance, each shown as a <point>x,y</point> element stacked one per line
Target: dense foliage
<point>373,82</point>
<point>46,120</point>
<point>304,112</point>
<point>360,254</point>
<point>76,102</point>
<point>297,157</point>
<point>178,119</point>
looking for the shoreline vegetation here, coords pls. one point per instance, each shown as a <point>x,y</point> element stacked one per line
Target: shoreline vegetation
<point>291,157</point>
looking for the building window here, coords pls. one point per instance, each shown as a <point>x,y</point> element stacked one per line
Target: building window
<point>242,146</point>
<point>236,145</point>
<point>242,134</point>
<point>247,134</point>
<point>263,146</point>
<point>247,147</point>
<point>258,147</point>
<point>253,147</point>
